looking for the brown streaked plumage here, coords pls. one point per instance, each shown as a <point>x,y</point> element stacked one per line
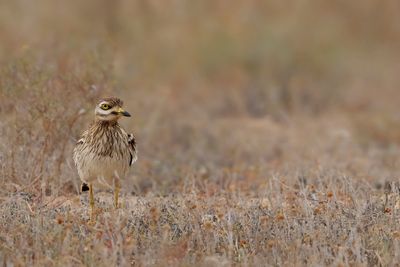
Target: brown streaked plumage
<point>105,151</point>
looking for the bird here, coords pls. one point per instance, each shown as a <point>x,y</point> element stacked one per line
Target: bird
<point>105,151</point>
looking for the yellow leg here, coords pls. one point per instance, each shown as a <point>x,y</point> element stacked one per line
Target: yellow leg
<point>91,202</point>
<point>116,195</point>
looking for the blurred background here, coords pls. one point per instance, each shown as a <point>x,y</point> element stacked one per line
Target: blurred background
<point>225,93</point>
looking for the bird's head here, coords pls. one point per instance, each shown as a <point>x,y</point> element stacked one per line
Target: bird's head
<point>110,109</point>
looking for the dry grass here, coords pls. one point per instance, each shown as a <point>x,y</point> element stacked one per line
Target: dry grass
<point>268,132</point>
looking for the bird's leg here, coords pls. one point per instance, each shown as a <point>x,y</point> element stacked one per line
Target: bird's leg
<point>91,202</point>
<point>116,194</point>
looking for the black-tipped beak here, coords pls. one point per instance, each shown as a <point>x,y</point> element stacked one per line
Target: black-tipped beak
<point>125,113</point>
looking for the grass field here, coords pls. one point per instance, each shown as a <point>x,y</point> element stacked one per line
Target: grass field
<point>268,132</point>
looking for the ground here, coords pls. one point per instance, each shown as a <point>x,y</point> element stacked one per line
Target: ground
<point>268,133</point>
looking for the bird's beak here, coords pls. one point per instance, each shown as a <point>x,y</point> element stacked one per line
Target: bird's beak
<point>123,112</point>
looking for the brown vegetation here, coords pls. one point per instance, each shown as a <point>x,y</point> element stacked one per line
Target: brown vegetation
<point>268,132</point>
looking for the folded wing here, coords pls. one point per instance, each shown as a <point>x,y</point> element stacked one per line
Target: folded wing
<point>132,149</point>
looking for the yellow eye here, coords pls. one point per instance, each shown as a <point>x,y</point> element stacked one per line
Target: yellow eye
<point>105,106</point>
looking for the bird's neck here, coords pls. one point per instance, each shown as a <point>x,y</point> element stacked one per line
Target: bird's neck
<point>106,124</point>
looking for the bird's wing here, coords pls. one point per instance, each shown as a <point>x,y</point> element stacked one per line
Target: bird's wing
<point>82,138</point>
<point>132,149</point>
<point>78,147</point>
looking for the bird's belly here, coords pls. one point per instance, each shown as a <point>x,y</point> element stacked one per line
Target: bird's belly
<point>105,170</point>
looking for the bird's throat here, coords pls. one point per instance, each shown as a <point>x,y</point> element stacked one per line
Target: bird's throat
<point>106,123</point>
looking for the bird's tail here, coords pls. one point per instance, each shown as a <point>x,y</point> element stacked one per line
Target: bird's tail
<point>84,187</point>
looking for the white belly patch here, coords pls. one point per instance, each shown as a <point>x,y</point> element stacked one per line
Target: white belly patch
<point>103,170</point>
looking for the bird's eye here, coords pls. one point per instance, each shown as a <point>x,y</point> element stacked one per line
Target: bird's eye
<point>105,106</point>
